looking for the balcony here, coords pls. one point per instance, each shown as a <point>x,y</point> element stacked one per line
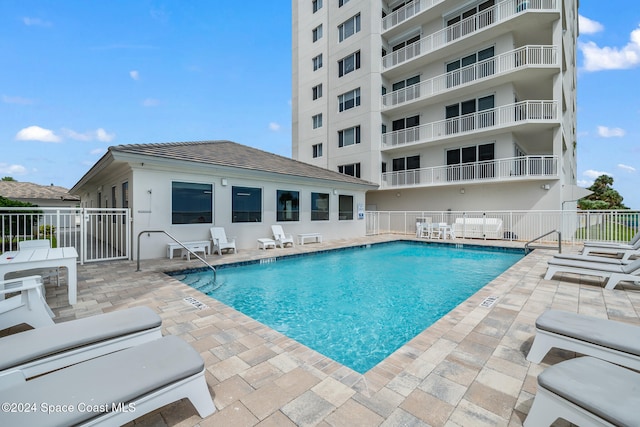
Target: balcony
<point>527,56</point>
<point>401,15</point>
<point>503,170</point>
<point>500,118</point>
<point>468,27</point>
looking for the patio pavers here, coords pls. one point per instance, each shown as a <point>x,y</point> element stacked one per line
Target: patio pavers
<point>469,368</point>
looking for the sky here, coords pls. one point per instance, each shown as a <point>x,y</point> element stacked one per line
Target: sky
<point>78,76</point>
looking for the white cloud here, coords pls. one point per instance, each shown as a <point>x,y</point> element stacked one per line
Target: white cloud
<point>16,100</point>
<point>99,134</point>
<point>274,126</point>
<point>11,170</point>
<point>134,74</point>
<point>588,26</point>
<point>593,174</point>
<point>150,102</point>
<point>612,58</point>
<point>626,168</point>
<point>97,151</point>
<point>36,133</point>
<point>35,22</point>
<point>584,183</point>
<point>607,132</point>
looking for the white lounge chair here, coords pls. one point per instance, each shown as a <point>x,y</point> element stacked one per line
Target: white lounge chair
<point>220,241</point>
<point>614,273</point>
<point>38,351</point>
<point>591,258</point>
<point>279,236</point>
<point>626,250</point>
<point>605,339</point>
<point>587,392</point>
<point>28,307</point>
<point>633,241</point>
<point>114,389</point>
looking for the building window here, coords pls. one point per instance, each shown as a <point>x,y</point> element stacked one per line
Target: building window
<point>317,62</point>
<point>462,163</point>
<point>317,5</point>
<point>349,64</point>
<point>125,194</point>
<point>317,121</point>
<point>349,100</point>
<point>319,206</point>
<point>288,205</point>
<point>316,91</point>
<point>406,163</point>
<point>406,43</point>
<point>317,150</point>
<point>455,27</point>
<point>349,27</point>
<point>351,170</point>
<point>317,33</point>
<point>461,70</point>
<point>342,2</point>
<point>191,203</point>
<point>349,136</point>
<point>461,118</point>
<point>345,207</point>
<point>246,204</point>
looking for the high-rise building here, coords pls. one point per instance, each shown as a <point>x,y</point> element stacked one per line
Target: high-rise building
<point>446,104</point>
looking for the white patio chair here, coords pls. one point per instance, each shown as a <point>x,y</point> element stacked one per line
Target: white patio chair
<point>28,307</point>
<point>220,241</point>
<point>279,236</point>
<point>613,273</point>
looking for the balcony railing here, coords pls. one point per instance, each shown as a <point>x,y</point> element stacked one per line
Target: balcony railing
<point>494,15</point>
<point>501,64</point>
<point>506,115</point>
<point>406,12</point>
<point>494,170</point>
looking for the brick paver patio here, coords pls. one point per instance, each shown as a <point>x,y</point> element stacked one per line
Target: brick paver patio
<point>468,369</point>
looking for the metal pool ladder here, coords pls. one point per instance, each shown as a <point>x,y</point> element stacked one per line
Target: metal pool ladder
<point>181,244</point>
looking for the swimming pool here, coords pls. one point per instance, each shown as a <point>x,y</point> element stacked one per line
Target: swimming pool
<point>356,306</point>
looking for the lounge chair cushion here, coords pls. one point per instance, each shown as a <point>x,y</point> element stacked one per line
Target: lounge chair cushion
<point>119,377</point>
<point>601,388</point>
<point>602,332</point>
<point>18,349</point>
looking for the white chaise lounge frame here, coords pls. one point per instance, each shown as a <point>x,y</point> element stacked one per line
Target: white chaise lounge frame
<point>612,272</point>
<point>155,356</point>
<point>77,341</point>
<point>607,338</point>
<point>28,307</point>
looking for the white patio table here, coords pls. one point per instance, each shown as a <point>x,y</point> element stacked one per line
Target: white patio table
<point>28,259</point>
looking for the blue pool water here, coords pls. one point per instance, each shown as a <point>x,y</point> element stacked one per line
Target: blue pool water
<point>356,306</point>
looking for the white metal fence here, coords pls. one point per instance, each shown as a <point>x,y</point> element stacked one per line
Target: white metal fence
<point>97,234</point>
<point>575,226</point>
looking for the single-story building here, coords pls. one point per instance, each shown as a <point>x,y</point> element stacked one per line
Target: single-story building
<point>184,188</point>
<point>38,195</point>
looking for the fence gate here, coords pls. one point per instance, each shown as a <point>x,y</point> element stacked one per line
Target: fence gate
<point>98,234</point>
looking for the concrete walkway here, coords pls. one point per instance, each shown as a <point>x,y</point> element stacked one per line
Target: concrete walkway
<point>468,369</point>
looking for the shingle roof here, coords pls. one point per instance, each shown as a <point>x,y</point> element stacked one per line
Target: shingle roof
<point>27,190</point>
<point>231,154</point>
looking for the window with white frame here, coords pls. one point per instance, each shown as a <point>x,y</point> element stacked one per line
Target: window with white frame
<point>345,207</point>
<point>316,91</point>
<point>317,62</point>
<point>317,5</point>
<point>288,205</point>
<point>461,70</point>
<point>342,2</point>
<point>349,100</point>
<point>317,150</point>
<point>317,33</point>
<point>349,27</point>
<point>349,64</point>
<point>349,136</point>
<point>352,169</point>
<point>191,203</point>
<point>317,121</point>
<point>246,204</point>
<point>319,206</point>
